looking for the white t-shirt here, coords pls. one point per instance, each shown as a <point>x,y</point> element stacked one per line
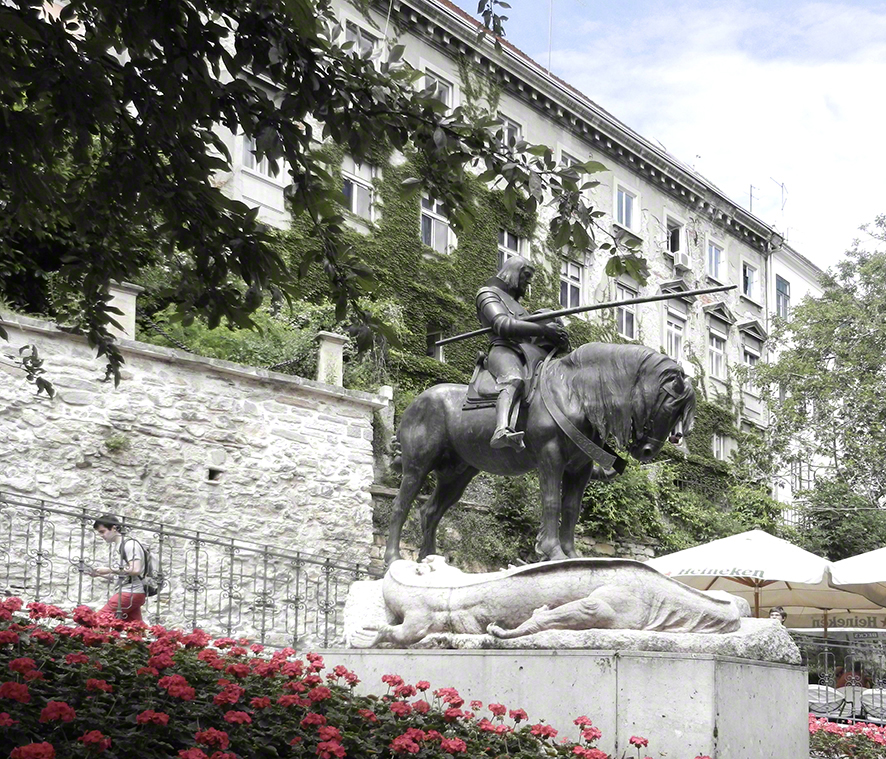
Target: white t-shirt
<point>134,552</point>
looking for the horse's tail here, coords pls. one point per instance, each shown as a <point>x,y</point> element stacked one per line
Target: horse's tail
<point>396,454</point>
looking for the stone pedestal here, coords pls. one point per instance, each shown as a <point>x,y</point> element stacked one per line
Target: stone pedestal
<point>330,361</point>
<point>685,704</point>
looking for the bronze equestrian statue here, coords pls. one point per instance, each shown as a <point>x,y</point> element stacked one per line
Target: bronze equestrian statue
<point>627,394</point>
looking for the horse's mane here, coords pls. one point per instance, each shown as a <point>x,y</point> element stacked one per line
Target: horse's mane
<point>623,387</point>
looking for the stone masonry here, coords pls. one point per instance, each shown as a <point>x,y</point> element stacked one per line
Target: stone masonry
<point>190,441</point>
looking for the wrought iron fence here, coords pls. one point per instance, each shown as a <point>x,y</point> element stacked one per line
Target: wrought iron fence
<point>277,596</point>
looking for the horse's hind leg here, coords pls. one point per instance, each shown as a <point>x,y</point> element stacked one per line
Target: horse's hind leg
<point>413,478</point>
<point>450,486</point>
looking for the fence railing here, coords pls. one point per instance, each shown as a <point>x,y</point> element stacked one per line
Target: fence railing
<point>226,585</point>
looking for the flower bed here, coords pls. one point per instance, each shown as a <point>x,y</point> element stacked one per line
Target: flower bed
<point>78,685</point>
<point>831,740</point>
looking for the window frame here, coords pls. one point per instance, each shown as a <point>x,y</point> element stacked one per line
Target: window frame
<point>437,218</point>
<point>377,40</point>
<point>259,168</point>
<point>754,294</point>
<point>571,283</point>
<point>680,225</point>
<point>363,182</point>
<point>506,123</point>
<point>715,334</point>
<point>723,265</point>
<point>632,225</point>
<point>625,292</point>
<point>505,251</point>
<point>718,446</point>
<point>671,317</point>
<point>782,298</point>
<point>433,73</point>
<point>434,351</point>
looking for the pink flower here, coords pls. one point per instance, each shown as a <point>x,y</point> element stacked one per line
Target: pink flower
<point>476,705</point>
<point>421,707</point>
<point>76,659</point>
<point>57,711</point>
<point>329,733</point>
<point>422,685</point>
<point>498,710</point>
<point>260,702</point>
<point>543,731</point>
<point>405,691</point>
<point>6,720</point>
<point>22,665</point>
<point>34,751</point>
<point>8,637</point>
<point>212,738</point>
<point>518,715</point>
<point>395,681</point>
<point>150,717</point>
<point>453,745</point>
<point>192,753</point>
<point>401,708</point>
<point>403,744</point>
<point>238,718</point>
<point>328,749</point>
<point>639,742</point>
<point>15,692</point>
<point>102,685</point>
<point>368,715</point>
<point>313,719</point>
<point>96,741</point>
<point>452,714</point>
<point>319,693</point>
<point>591,733</point>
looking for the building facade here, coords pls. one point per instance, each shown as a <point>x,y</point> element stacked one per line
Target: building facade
<point>691,234</point>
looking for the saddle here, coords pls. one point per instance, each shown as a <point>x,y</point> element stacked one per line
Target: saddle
<point>483,389</point>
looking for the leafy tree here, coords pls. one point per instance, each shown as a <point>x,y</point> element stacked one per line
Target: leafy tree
<point>109,115</point>
<point>826,387</point>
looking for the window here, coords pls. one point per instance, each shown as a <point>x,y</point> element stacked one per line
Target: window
<point>443,90</point>
<point>749,281</point>
<point>571,276</point>
<point>716,269</point>
<point>625,315</point>
<point>625,207</point>
<point>676,237</point>
<point>434,226</point>
<point>365,44</point>
<point>675,330</point>
<point>357,187</point>
<point>717,354</point>
<point>511,131</point>
<point>802,476</point>
<point>750,360</point>
<point>434,350</point>
<point>567,160</point>
<point>508,246</point>
<point>719,446</point>
<point>782,297</point>
<point>252,163</point>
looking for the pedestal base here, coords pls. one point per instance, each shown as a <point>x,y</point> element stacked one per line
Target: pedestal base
<point>685,704</point>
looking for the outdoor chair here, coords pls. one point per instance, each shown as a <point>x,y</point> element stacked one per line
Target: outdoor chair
<point>873,705</point>
<point>825,701</point>
<point>852,694</point>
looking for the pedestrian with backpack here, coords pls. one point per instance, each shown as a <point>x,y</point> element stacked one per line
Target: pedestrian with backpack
<point>127,602</point>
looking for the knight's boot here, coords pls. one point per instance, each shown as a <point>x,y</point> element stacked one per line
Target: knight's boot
<point>505,436</point>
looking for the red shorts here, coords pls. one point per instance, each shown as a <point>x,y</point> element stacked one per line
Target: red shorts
<point>126,606</point>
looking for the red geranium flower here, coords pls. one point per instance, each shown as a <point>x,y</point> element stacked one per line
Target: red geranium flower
<point>223,755</point>
<point>102,685</point>
<point>543,731</point>
<point>224,642</point>
<point>452,714</point>
<point>34,674</point>
<point>192,753</point>
<point>44,637</point>
<point>57,710</point>
<point>476,705</point>
<point>311,718</point>
<point>422,707</point>
<point>639,742</point>
<point>290,699</point>
<point>6,720</point>
<point>213,738</point>
<point>237,670</point>
<point>405,691</point>
<point>498,710</point>
<point>150,717</point>
<point>319,693</point>
<point>368,715</point>
<point>403,744</point>
<point>393,680</point>
<point>591,734</point>
<point>76,659</point>
<point>260,702</point>
<point>453,745</point>
<point>256,648</point>
<point>328,749</point>
<point>582,722</point>
<point>329,733</point>
<point>401,708</point>
<point>15,692</point>
<point>238,718</point>
<point>95,740</point>
<point>147,671</point>
<point>34,751</point>
<point>423,685</point>
<point>22,665</point>
<point>8,637</point>
<point>230,695</point>
<point>518,715</point>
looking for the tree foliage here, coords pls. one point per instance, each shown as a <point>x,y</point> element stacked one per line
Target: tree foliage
<point>826,386</point>
<point>110,117</point>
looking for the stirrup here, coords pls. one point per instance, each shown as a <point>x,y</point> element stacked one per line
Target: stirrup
<point>507,438</point>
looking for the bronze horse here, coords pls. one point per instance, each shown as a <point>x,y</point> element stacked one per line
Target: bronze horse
<point>628,394</point>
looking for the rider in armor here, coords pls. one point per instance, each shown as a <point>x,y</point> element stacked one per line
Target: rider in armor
<point>499,309</point>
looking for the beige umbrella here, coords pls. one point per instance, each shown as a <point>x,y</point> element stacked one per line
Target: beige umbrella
<point>763,569</point>
<point>864,574</point>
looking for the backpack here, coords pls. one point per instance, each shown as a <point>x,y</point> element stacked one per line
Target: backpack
<point>152,580</point>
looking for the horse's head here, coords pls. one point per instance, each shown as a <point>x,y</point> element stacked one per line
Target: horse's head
<point>664,399</point>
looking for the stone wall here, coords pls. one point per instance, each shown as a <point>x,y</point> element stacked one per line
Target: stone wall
<point>190,441</point>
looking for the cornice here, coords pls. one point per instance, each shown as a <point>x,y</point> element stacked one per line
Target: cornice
<point>454,33</point>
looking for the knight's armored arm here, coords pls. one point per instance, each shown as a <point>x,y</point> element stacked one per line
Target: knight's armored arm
<point>494,313</point>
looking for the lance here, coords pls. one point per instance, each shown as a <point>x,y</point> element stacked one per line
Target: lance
<point>546,316</point>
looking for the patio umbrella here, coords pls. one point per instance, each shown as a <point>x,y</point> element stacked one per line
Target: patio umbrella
<point>764,570</point>
<point>864,574</point>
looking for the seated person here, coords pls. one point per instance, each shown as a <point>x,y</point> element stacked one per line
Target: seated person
<point>853,676</point>
<point>778,612</point>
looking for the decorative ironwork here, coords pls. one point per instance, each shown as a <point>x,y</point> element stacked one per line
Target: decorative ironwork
<point>233,587</point>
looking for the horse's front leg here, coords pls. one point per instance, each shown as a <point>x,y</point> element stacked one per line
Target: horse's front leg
<point>574,485</point>
<point>413,478</point>
<point>550,477</point>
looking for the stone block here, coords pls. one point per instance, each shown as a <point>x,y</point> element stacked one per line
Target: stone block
<point>686,705</point>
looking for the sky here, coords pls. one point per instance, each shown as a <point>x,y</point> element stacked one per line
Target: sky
<point>786,96</point>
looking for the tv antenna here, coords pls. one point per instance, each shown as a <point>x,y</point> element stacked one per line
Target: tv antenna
<point>751,198</point>
<point>784,193</point>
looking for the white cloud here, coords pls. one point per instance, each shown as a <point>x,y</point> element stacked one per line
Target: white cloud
<point>748,96</point>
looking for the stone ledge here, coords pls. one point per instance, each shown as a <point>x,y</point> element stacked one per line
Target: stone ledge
<point>174,356</point>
